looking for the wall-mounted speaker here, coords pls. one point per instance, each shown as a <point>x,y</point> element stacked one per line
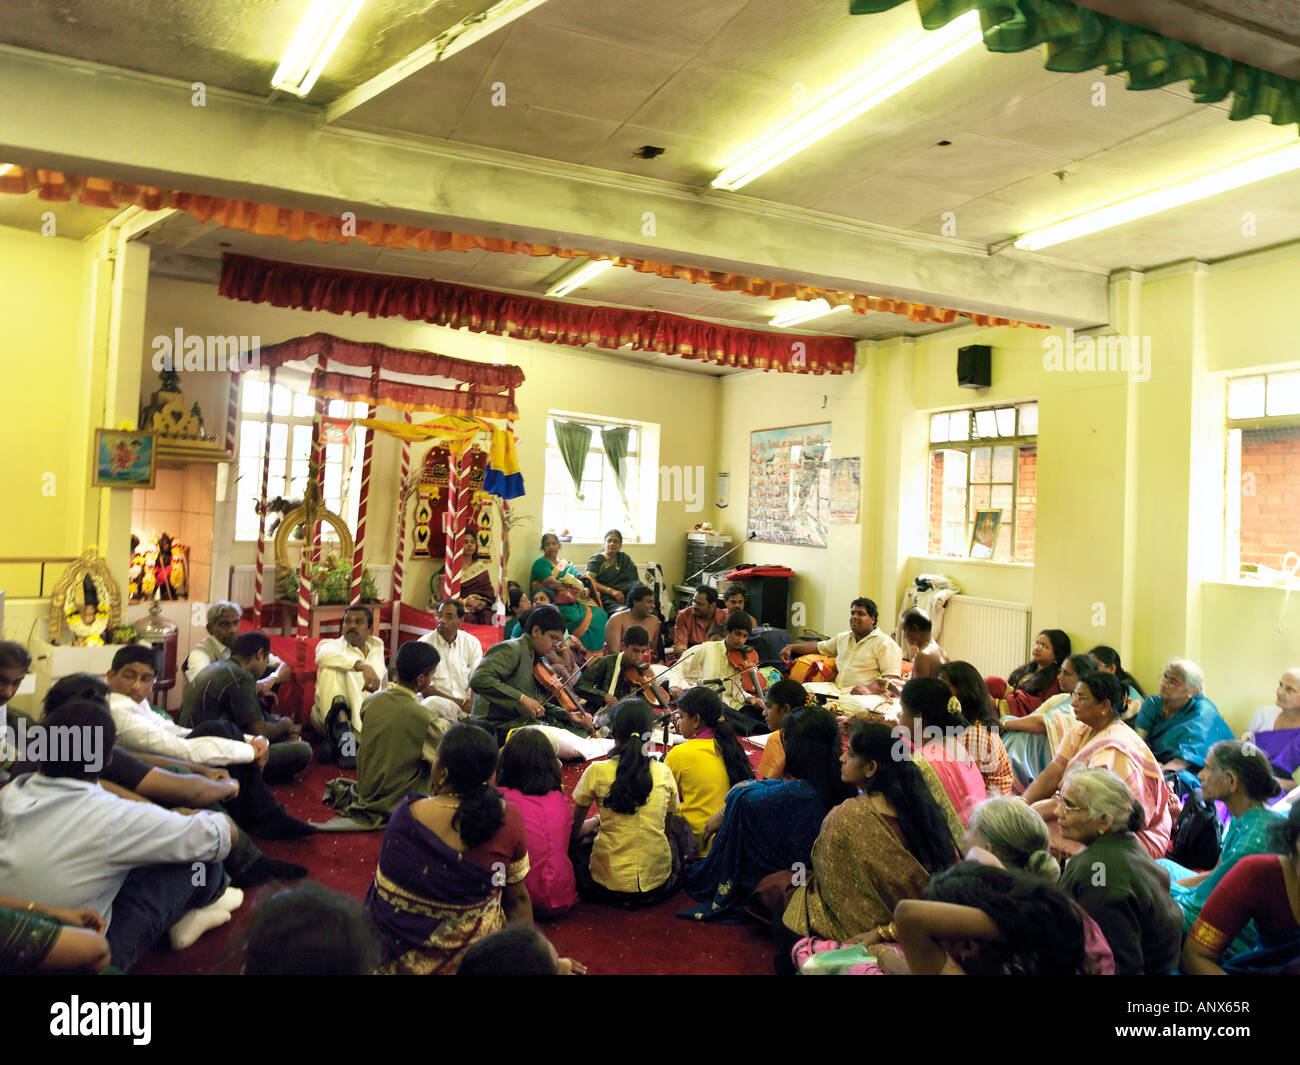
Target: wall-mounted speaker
<point>975,366</point>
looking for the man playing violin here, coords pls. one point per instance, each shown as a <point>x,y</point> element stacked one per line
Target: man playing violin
<point>728,661</point>
<point>615,677</point>
<point>507,690</point>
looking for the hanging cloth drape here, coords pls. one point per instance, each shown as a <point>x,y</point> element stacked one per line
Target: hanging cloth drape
<point>615,441</point>
<point>573,440</point>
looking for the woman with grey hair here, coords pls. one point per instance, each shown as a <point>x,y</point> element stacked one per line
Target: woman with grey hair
<point>1113,878</point>
<point>1180,725</point>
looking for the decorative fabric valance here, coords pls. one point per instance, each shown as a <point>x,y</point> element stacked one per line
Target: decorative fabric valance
<point>299,225</point>
<point>407,380</point>
<point>1078,39</point>
<point>527,318</point>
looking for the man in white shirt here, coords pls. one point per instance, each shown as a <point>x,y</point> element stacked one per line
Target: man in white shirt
<point>67,842</point>
<point>864,656</point>
<point>712,661</point>
<point>346,669</point>
<point>223,627</point>
<point>459,654</point>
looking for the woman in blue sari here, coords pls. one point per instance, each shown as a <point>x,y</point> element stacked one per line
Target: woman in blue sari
<point>1238,777</point>
<point>768,826</point>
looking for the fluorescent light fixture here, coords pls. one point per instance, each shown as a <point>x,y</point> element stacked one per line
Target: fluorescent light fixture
<point>579,276</point>
<point>805,312</point>
<point>872,86</point>
<point>5,168</point>
<point>318,35</point>
<point>1233,176</point>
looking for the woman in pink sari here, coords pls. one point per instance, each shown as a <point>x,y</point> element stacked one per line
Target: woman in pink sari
<point>1101,740</point>
<point>931,719</point>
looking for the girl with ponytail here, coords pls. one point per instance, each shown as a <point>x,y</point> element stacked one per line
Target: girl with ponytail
<point>630,854</point>
<point>452,867</point>
<point>711,761</point>
<point>930,719</point>
<point>1113,878</point>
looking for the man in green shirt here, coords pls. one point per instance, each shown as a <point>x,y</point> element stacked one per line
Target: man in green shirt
<point>506,692</point>
<point>397,749</point>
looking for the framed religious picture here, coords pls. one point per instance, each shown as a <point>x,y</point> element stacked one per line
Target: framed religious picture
<point>984,533</point>
<point>86,602</point>
<point>124,458</point>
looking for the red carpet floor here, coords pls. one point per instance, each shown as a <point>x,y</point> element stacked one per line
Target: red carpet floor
<point>608,940</point>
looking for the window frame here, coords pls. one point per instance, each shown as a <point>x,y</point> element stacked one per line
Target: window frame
<point>637,521</point>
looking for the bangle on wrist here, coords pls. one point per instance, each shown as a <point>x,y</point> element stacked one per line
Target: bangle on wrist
<point>887,933</point>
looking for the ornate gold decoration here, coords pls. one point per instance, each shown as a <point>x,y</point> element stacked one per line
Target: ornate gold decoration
<point>68,605</point>
<point>307,514</point>
<point>181,435</point>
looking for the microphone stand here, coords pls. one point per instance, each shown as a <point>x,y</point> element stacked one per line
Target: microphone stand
<point>705,569</point>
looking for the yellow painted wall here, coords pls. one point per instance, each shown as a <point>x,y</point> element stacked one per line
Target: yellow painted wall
<point>556,378</point>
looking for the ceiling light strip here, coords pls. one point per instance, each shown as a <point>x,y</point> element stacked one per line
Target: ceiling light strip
<point>319,34</point>
<point>578,277</point>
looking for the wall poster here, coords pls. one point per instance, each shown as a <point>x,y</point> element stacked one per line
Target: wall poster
<point>789,484</point>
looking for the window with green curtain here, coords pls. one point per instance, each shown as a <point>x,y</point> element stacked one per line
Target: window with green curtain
<point>573,441</point>
<point>615,441</point>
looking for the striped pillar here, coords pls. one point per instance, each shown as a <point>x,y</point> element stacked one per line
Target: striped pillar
<point>311,534</point>
<point>261,517</point>
<point>457,519</point>
<point>232,415</point>
<point>358,551</point>
<point>400,556</point>
<point>503,603</point>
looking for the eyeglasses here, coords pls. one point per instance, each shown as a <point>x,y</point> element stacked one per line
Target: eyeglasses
<point>1174,680</point>
<point>1072,807</point>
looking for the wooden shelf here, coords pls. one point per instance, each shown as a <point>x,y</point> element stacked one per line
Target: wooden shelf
<point>175,452</point>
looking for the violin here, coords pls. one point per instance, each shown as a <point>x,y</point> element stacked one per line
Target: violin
<point>561,693</point>
<point>745,663</point>
<point>640,677</point>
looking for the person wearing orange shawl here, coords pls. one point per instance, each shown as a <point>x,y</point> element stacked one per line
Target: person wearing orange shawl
<point>1101,740</point>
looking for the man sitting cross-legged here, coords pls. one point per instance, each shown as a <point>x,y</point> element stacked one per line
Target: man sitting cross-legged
<point>71,844</point>
<point>398,749</point>
<point>639,612</point>
<point>605,683</point>
<point>223,627</point>
<point>346,669</point>
<point>459,654</point>
<point>918,631</point>
<point>730,668</point>
<point>865,657</point>
<point>187,787</point>
<point>216,743</point>
<point>226,690</point>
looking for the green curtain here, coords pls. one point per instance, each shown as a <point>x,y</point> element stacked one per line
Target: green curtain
<point>615,440</point>
<point>1078,39</point>
<point>574,441</point>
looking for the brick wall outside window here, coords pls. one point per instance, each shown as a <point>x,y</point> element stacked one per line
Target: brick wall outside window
<point>1270,497</point>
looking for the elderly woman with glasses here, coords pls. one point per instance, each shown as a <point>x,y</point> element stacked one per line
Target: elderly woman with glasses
<point>1113,878</point>
<point>1100,739</point>
<point>1181,724</point>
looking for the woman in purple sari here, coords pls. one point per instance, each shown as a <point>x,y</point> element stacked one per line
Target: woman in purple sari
<point>1275,730</point>
<point>452,867</point>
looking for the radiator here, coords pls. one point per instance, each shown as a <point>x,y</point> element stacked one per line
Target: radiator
<point>992,636</point>
<point>243,578</point>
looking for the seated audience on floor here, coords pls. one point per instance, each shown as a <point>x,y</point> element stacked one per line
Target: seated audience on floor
<point>612,572</point>
<point>1275,730</point>
<point>691,626</point>
<point>981,920</point>
<point>517,950</point>
<point>516,603</point>
<point>395,757</point>
<point>506,691</point>
<point>871,851</point>
<point>225,690</point>
<point>1113,878</point>
<point>308,930</point>
<point>347,670</point>
<point>930,720</point>
<point>769,826</point>
<point>529,775</point>
<point>632,852</point>
<point>1262,890</point>
<point>918,631</point>
<point>1180,724</point>
<point>733,602</point>
<point>639,613</point>
<point>186,785</point>
<point>1108,661</point>
<point>783,699</point>
<point>864,656</point>
<point>70,844</point>
<point>452,867</point>
<point>1033,740</point>
<point>550,569</point>
<point>215,750</point>
<point>982,736</point>
<point>223,627</point>
<point>732,664</point>
<point>567,653</point>
<point>50,939</point>
<point>709,764</point>
<point>1037,680</point>
<point>615,677</point>
<point>1100,740</point>
<point>1237,775</point>
<point>459,654</point>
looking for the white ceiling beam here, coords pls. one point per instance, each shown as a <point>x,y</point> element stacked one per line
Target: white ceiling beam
<point>113,124</point>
